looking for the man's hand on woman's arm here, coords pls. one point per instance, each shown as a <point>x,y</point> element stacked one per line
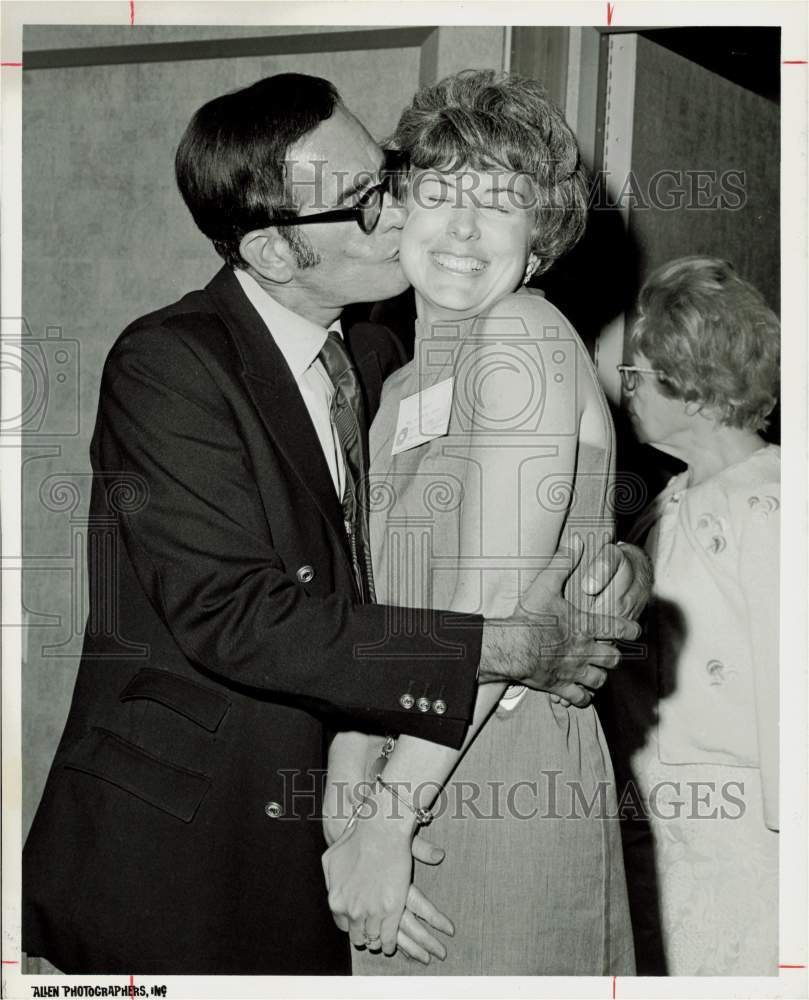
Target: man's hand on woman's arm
<point>620,580</point>
<point>551,645</point>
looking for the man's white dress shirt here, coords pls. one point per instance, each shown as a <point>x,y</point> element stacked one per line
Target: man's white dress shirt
<point>301,341</point>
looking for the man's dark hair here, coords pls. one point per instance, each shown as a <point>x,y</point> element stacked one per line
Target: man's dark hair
<point>230,163</point>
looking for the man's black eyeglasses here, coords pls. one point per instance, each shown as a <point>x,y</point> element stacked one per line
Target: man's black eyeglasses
<point>367,210</point>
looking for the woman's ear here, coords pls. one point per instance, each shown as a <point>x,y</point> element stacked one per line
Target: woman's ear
<point>530,267</point>
<point>693,408</point>
<point>269,254</point>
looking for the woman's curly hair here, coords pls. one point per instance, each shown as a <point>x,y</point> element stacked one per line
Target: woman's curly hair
<point>714,336</point>
<point>487,120</point>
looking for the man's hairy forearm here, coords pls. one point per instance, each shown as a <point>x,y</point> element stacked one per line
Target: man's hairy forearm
<point>497,653</point>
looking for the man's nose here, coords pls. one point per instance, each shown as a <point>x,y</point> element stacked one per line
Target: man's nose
<point>463,223</point>
<point>393,214</point>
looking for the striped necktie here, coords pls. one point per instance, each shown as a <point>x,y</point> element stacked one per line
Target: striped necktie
<point>348,419</point>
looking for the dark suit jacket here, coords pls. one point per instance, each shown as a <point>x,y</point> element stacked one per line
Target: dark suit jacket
<point>178,831</point>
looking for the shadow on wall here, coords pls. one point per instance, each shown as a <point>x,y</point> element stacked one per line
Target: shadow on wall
<point>641,683</point>
<point>600,278</point>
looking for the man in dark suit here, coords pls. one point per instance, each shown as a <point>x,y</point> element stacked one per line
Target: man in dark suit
<point>227,636</point>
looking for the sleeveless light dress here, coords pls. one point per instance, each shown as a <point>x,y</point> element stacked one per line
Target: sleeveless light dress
<point>533,877</point>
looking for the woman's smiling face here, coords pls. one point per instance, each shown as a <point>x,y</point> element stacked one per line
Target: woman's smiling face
<point>467,238</point>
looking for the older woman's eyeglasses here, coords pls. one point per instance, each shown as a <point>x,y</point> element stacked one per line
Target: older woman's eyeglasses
<point>629,375</point>
<point>368,207</point>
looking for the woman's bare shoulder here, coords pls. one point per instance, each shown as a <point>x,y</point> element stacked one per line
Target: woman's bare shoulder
<point>527,317</point>
<point>530,307</point>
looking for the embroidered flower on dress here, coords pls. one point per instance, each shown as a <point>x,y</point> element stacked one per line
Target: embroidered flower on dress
<point>719,672</point>
<point>711,533</point>
<point>762,507</point>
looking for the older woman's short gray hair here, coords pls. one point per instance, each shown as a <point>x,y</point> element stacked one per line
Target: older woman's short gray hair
<point>714,336</point>
<point>486,120</point>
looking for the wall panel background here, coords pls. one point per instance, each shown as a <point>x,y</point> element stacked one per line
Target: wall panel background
<point>688,118</point>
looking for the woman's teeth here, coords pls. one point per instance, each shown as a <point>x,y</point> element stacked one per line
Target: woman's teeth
<point>459,265</point>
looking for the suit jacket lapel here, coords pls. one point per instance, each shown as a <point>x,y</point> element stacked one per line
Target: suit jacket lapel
<point>277,398</point>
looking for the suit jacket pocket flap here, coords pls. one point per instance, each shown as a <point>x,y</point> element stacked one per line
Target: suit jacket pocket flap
<point>175,790</point>
<point>202,705</point>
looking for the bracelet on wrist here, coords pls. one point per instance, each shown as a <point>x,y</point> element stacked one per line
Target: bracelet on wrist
<point>385,752</point>
<point>423,816</point>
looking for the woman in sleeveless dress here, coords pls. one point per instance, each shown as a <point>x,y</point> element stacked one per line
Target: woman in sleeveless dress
<point>491,449</point>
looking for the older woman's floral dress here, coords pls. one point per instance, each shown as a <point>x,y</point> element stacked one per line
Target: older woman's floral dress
<point>702,865</point>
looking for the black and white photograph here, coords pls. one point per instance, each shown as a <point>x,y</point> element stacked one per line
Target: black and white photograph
<point>401,577</point>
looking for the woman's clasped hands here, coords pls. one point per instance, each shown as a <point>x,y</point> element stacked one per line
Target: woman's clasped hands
<point>369,870</point>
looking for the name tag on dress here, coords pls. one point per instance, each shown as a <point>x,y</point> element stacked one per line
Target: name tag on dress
<point>423,416</point>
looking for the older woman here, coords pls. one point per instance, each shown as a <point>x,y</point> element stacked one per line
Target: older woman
<point>699,729</point>
<point>492,446</point>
